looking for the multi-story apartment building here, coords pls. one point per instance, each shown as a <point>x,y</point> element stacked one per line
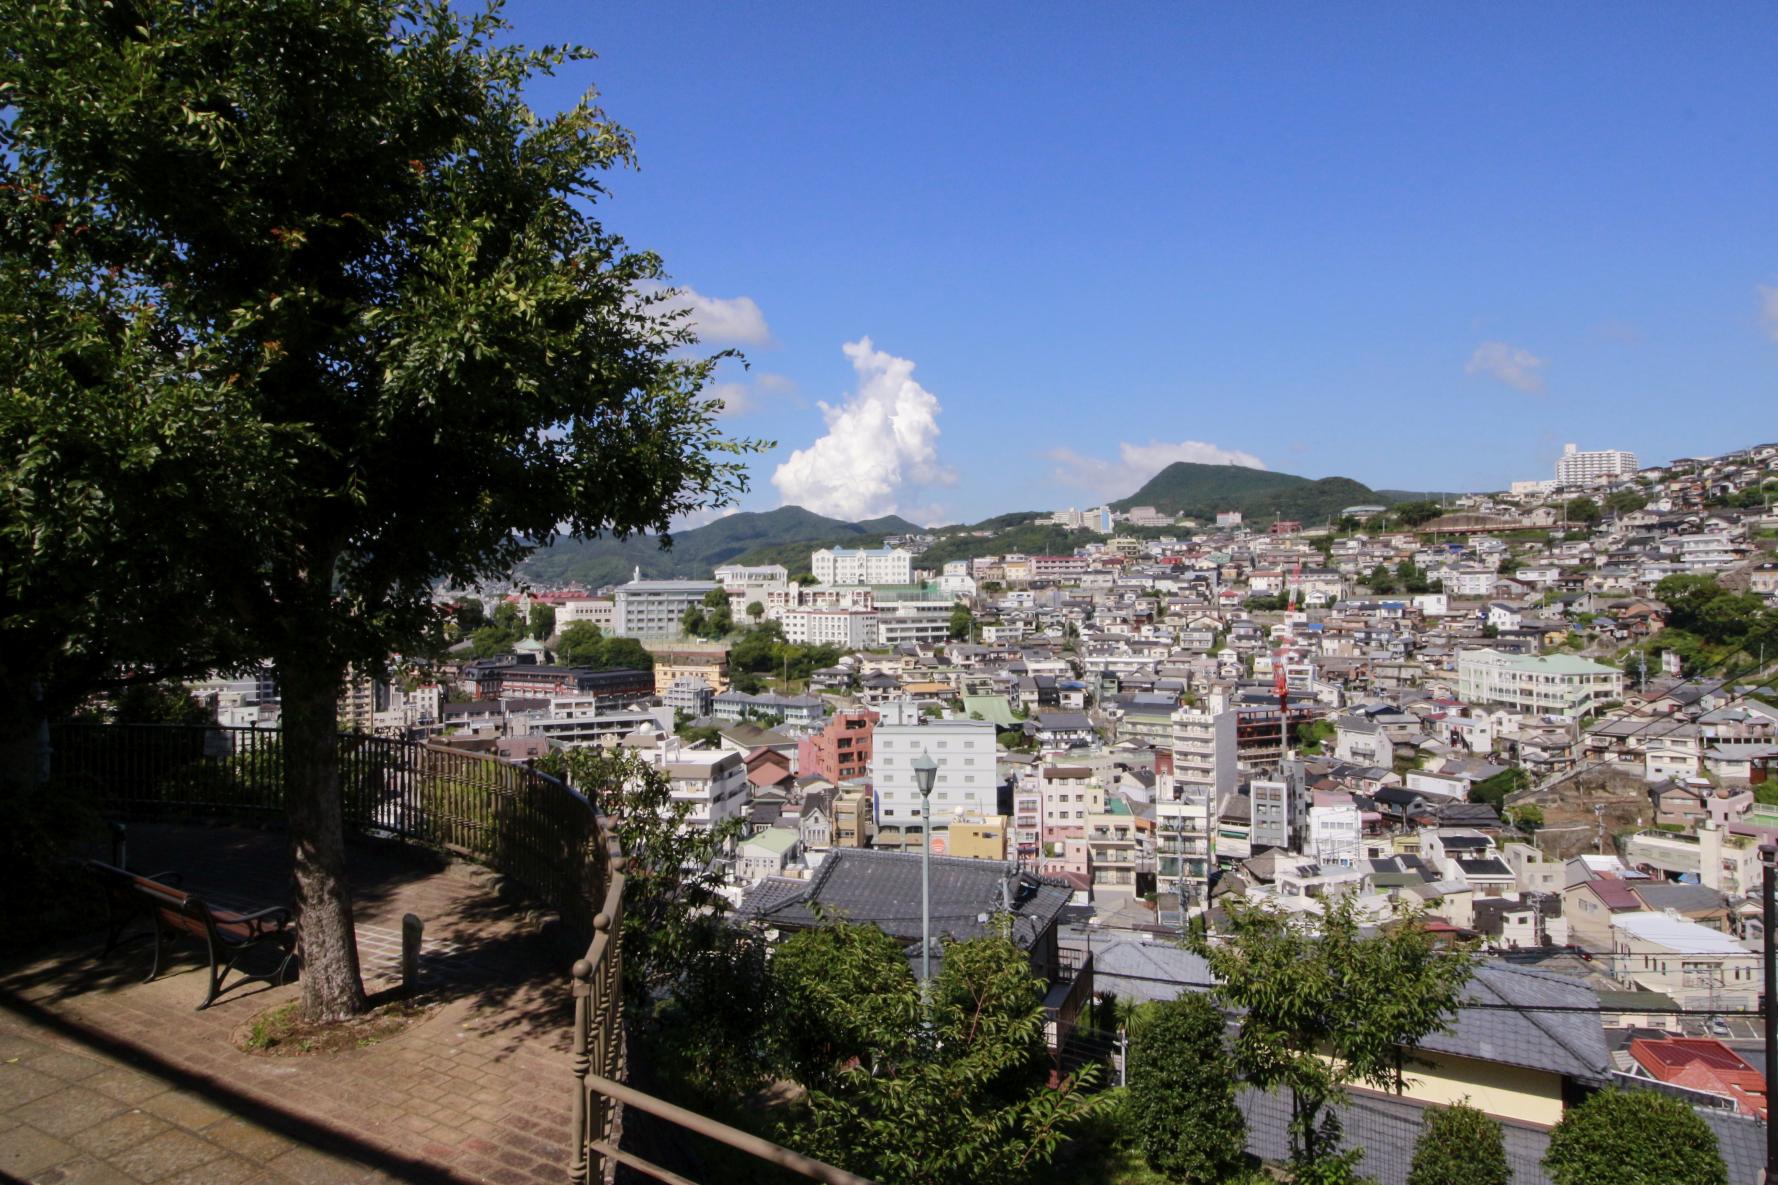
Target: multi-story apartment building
<point>919,621</point>
<point>654,608</point>
<point>1576,468</point>
<point>1548,684</point>
<point>966,779</point>
<point>1069,795</point>
<point>708,665</point>
<point>1058,567</point>
<point>848,629</point>
<point>840,752</point>
<point>1113,847</point>
<point>691,696</point>
<point>852,826</point>
<point>876,565</point>
<point>1027,817</point>
<point>1279,813</point>
<point>1190,796</point>
<point>713,782</point>
<point>1334,826</point>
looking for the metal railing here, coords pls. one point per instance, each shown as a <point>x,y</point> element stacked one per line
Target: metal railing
<point>545,835</point>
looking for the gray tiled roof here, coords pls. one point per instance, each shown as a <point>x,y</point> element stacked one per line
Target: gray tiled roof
<point>1132,969</point>
<point>1570,1043</point>
<point>883,888</point>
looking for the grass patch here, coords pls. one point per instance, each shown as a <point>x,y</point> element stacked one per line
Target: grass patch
<point>282,1031</point>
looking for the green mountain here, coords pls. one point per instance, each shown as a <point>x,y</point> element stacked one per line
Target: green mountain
<point>786,535</point>
<point>1202,491</point>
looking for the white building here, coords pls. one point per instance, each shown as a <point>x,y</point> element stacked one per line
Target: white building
<point>712,781</point>
<point>1700,968</point>
<point>1576,468</point>
<point>1190,800</point>
<point>745,576</point>
<point>877,565</point>
<point>926,621</point>
<point>964,751</point>
<point>599,611</point>
<point>654,608</point>
<point>1547,684</point>
<point>1334,827</point>
<point>849,629</point>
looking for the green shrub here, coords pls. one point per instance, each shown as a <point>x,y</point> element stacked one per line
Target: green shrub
<point>1634,1137</point>
<point>1460,1146</point>
<point>1182,1092</point>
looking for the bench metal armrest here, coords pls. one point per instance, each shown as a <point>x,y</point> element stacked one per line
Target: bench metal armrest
<point>175,879</point>
<point>277,915</point>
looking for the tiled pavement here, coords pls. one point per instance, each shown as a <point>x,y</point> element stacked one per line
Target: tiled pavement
<point>106,1079</point>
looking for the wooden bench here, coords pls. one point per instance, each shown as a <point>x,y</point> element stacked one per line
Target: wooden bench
<point>175,914</point>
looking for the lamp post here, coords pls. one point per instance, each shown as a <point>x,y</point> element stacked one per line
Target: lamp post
<point>1768,862</point>
<point>925,774</point>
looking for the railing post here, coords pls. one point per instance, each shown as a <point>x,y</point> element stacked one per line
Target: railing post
<point>583,988</point>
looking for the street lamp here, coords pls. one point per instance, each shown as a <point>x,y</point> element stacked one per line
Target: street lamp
<point>1768,862</point>
<point>925,774</point>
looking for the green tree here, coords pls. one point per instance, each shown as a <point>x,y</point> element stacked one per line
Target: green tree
<point>1460,1145</point>
<point>1494,790</point>
<point>1323,1006</point>
<point>1634,1137</point>
<point>1412,514</point>
<point>957,1091</point>
<point>1621,502</point>
<point>962,622</point>
<point>470,614</point>
<point>755,611</point>
<point>673,910</point>
<point>580,645</point>
<point>342,224</point>
<point>1381,581</point>
<point>1182,1092</point>
<point>1527,816</point>
<point>542,620</point>
<point>1582,510</point>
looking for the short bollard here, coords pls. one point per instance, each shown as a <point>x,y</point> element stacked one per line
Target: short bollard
<point>411,927</point>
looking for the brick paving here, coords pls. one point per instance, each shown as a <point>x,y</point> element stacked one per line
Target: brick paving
<point>106,1079</point>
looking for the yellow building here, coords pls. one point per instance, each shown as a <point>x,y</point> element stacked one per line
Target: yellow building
<point>975,838</point>
<point>710,665</point>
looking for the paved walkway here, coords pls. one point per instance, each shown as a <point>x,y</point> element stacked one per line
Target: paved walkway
<point>106,1079</point>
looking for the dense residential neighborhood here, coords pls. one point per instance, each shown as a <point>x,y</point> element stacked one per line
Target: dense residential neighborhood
<point>1511,713</point>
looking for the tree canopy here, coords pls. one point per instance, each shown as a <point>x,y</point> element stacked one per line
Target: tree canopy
<point>1634,1137</point>
<point>370,281</point>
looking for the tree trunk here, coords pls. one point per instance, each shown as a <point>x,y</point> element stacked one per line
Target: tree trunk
<point>310,687</point>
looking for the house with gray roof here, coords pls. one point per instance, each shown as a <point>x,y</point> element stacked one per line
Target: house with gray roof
<point>970,899</point>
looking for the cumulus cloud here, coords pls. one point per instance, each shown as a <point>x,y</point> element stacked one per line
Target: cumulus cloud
<point>881,438</point>
<point>1136,463</point>
<point>1515,366</point>
<point>718,320</point>
<point>1768,309</point>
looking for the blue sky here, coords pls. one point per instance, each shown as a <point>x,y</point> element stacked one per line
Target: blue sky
<point>1417,245</point>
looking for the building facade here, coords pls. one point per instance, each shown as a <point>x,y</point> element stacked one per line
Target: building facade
<point>1549,684</point>
<point>875,565</point>
<point>1576,468</point>
<point>653,608</point>
<point>840,752</point>
<point>966,779</point>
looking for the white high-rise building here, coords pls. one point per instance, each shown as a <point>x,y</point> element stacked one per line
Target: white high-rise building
<point>875,565</point>
<point>966,780</point>
<point>1189,801</point>
<point>1576,468</point>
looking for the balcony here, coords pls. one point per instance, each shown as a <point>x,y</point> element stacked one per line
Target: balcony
<point>496,1085</point>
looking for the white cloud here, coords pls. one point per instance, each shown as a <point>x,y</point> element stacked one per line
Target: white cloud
<point>1136,463</point>
<point>733,320</point>
<point>775,384</point>
<point>1768,309</point>
<point>881,438</point>
<point>1515,366</point>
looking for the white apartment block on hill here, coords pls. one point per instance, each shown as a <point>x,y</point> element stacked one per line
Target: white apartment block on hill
<point>1576,468</point>
<point>964,751</point>
<point>877,565</point>
<point>1549,684</point>
<point>654,608</point>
